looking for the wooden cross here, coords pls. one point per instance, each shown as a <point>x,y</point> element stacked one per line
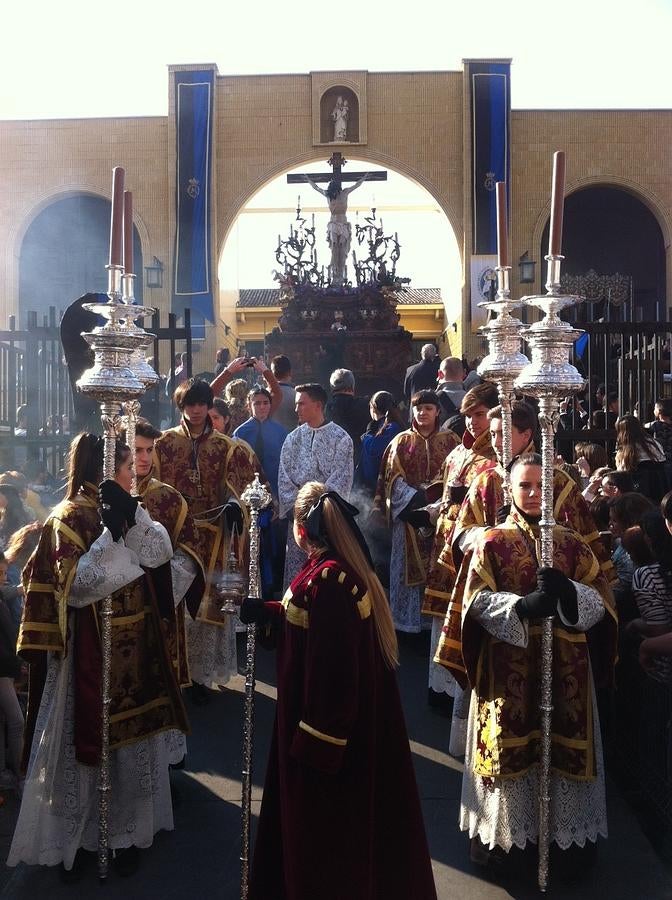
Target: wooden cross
<point>337,162</point>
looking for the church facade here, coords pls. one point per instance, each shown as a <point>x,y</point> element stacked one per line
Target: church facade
<point>224,137</point>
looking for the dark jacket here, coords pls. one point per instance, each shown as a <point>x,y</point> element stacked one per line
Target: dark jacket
<point>352,414</point>
<point>421,377</point>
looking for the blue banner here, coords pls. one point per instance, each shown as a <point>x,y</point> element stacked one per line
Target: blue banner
<point>490,115</point>
<point>194,103</point>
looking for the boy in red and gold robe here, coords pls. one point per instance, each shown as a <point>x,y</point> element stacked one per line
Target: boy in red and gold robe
<point>211,471</point>
<point>410,465</point>
<point>506,594</point>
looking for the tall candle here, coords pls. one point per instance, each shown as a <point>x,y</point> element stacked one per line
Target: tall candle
<point>117,220</point>
<point>502,226</point>
<point>128,233</point>
<point>557,204</point>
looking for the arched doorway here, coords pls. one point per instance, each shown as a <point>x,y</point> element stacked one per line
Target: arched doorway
<point>430,253</point>
<point>63,254</point>
<point>608,230</point>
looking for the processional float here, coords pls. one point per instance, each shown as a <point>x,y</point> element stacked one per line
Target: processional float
<point>549,378</point>
<point>115,380</point>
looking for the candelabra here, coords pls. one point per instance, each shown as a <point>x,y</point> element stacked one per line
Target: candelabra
<point>138,364</point>
<point>256,497</point>
<point>111,382</point>
<point>549,377</point>
<point>504,361</point>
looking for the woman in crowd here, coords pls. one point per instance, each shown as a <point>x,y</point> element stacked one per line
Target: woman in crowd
<point>386,423</point>
<point>13,514</point>
<point>640,454</point>
<point>589,458</point>
<point>235,394</point>
<point>18,552</point>
<point>625,512</point>
<point>615,484</point>
<point>220,416</point>
<point>340,765</point>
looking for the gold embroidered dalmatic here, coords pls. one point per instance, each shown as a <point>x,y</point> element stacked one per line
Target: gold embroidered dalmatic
<point>417,460</point>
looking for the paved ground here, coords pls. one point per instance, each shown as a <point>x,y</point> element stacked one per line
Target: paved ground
<point>200,858</point>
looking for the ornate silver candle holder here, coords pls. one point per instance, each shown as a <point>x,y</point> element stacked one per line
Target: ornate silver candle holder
<point>256,497</point>
<point>504,361</point>
<point>549,377</point>
<point>111,382</point>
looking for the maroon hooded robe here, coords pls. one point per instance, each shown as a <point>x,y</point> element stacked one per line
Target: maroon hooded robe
<point>340,817</point>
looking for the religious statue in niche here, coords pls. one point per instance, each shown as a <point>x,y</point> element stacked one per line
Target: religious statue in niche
<point>339,116</point>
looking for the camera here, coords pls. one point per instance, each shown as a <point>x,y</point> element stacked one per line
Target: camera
<point>250,361</point>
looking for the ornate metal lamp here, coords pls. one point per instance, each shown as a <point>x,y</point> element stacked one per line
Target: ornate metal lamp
<point>111,382</point>
<point>504,361</point>
<point>232,585</point>
<point>549,377</point>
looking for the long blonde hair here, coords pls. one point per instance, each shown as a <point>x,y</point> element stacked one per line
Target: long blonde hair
<point>342,541</point>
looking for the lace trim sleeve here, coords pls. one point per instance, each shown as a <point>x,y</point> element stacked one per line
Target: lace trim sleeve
<point>590,605</point>
<point>402,494</point>
<point>496,612</point>
<point>183,572</point>
<point>149,540</point>
<point>106,567</point>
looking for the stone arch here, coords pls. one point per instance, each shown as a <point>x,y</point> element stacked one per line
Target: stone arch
<point>452,211</point>
<point>16,234</point>
<point>654,212</point>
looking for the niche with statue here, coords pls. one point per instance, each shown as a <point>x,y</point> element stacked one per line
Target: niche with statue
<point>339,116</point>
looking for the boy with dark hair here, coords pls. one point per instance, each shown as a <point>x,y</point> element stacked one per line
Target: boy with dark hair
<point>211,471</point>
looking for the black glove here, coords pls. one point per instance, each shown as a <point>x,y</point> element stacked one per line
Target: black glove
<point>537,605</point>
<point>502,514</point>
<point>418,518</point>
<point>457,493</point>
<point>557,585</point>
<point>253,609</point>
<point>114,519</point>
<point>113,495</point>
<point>233,517</point>
<point>418,499</point>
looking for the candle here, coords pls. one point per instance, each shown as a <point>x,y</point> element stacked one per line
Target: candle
<point>298,202</point>
<point>279,241</point>
<point>502,229</point>
<point>117,220</point>
<point>128,233</point>
<point>557,204</point>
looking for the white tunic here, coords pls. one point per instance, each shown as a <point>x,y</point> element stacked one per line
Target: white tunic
<point>323,454</point>
<point>59,810</point>
<point>506,812</point>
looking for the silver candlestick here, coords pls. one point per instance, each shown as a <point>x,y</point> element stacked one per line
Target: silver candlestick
<point>549,377</point>
<point>256,497</point>
<point>139,366</point>
<point>111,382</point>
<point>504,361</point>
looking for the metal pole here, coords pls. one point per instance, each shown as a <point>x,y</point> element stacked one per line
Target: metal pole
<point>548,377</point>
<point>256,497</point>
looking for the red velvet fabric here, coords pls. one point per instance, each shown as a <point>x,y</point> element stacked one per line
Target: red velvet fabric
<point>340,816</point>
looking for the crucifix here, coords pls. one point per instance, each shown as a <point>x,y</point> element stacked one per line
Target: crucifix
<point>339,231</point>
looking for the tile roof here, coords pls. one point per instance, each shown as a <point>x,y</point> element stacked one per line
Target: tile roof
<point>249,298</point>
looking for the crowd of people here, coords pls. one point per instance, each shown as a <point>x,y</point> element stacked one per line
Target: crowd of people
<point>441,540</point>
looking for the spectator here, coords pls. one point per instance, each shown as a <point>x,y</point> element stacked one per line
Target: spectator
<point>13,514</point>
<point>177,374</point>
<point>235,394</point>
<point>11,667</point>
<point>450,388</point>
<point>221,359</point>
<point>386,422</point>
<point>422,376</point>
<point>640,454</point>
<point>625,512</point>
<point>21,429</point>
<point>652,589</point>
<point>220,416</point>
<point>29,498</point>
<point>594,487</point>
<point>615,484</point>
<point>589,457</point>
<point>661,429</point>
<point>285,414</point>
<point>346,410</point>
<point>18,552</point>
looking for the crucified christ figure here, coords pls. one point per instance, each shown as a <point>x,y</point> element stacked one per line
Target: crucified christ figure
<point>339,231</point>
